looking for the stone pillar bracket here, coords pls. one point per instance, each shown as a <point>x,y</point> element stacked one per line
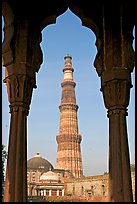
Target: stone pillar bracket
<point>19,88</point>
<point>116,73</point>
<point>117,110</point>
<point>16,108</point>
<point>115,85</point>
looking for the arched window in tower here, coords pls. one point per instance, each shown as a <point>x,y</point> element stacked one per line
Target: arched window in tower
<point>92,190</point>
<point>82,190</point>
<point>73,190</point>
<point>103,190</point>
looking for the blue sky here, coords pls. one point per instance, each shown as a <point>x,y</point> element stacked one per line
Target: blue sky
<point>68,36</point>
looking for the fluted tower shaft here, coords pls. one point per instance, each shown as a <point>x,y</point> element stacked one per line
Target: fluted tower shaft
<point>68,139</point>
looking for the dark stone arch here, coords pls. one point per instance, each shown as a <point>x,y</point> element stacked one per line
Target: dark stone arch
<point>114,63</point>
<point>8,18</point>
<point>87,20</point>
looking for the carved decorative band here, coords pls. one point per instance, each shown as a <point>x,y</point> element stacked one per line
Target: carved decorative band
<point>117,110</point>
<point>68,82</point>
<point>68,106</point>
<point>68,68</point>
<point>68,138</point>
<point>68,146</point>
<point>69,159</point>
<point>17,108</point>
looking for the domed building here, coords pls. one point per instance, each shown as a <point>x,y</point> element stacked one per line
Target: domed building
<point>37,162</point>
<point>43,179</point>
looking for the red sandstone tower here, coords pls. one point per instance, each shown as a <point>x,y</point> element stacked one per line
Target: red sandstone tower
<point>68,139</point>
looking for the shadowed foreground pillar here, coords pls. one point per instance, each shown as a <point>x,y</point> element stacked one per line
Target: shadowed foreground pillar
<point>21,61</point>
<point>116,96</point>
<point>114,63</point>
<point>16,180</point>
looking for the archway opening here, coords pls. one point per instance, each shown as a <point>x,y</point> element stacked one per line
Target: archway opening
<point>68,36</point>
<point>83,90</point>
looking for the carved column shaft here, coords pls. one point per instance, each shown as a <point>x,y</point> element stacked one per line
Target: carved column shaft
<point>22,57</point>
<point>116,85</point>
<point>119,162</point>
<point>19,89</point>
<point>114,63</point>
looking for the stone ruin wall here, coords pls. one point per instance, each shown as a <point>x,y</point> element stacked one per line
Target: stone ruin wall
<point>88,187</point>
<point>92,187</point>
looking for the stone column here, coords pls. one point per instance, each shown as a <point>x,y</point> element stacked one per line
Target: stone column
<point>21,58</point>
<point>116,86</point>
<point>50,192</point>
<point>58,192</point>
<point>16,175</point>
<point>62,192</point>
<point>44,192</point>
<point>114,63</point>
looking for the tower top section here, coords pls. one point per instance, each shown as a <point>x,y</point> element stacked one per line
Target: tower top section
<point>68,63</point>
<point>68,59</point>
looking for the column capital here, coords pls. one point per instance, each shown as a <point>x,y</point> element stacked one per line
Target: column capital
<point>19,88</point>
<point>115,85</point>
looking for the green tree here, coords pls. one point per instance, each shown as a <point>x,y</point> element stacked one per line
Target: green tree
<point>4,157</point>
<point>105,173</point>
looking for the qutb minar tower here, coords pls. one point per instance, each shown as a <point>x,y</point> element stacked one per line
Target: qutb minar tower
<point>68,139</point>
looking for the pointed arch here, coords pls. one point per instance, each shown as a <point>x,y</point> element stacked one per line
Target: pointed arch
<point>8,33</point>
<point>79,12</point>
